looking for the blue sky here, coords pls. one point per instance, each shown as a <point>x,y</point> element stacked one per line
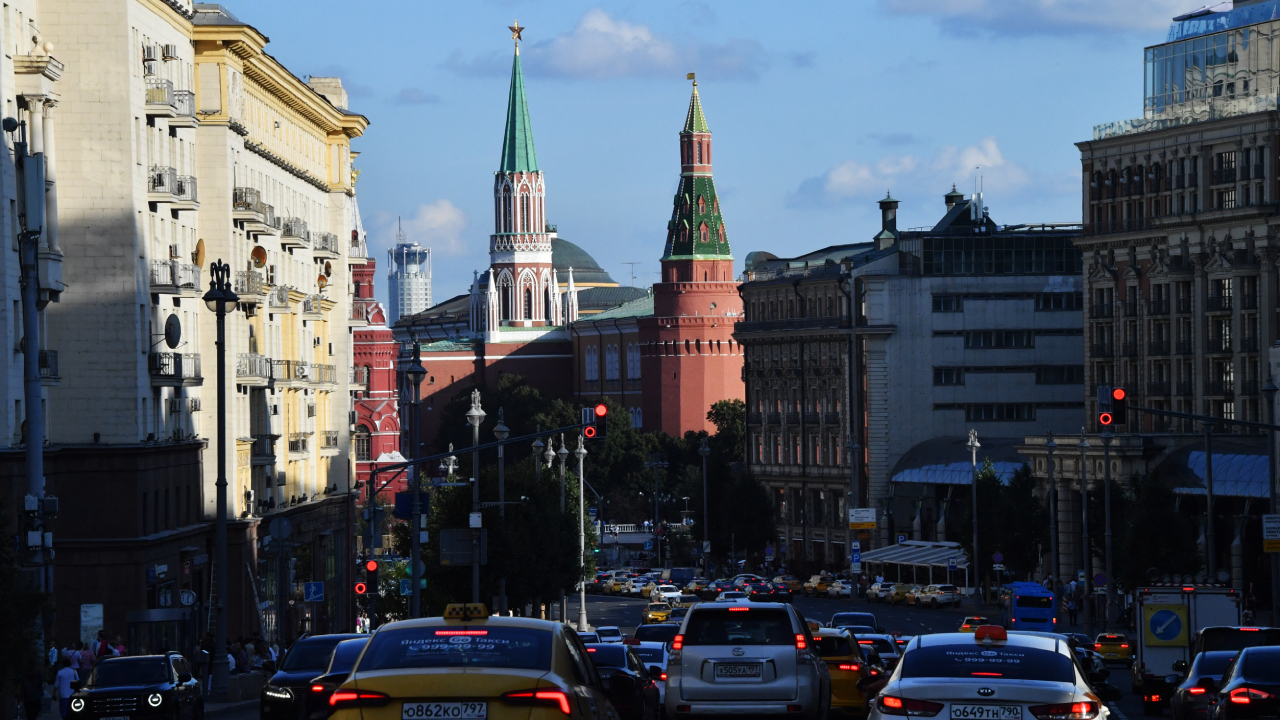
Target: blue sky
<point>817,108</point>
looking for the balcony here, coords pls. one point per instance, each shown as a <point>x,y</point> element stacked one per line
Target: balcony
<point>48,367</point>
<point>1221,388</point>
<point>1131,308</point>
<point>290,373</point>
<point>1101,310</point>
<point>329,442</point>
<point>1220,346</point>
<point>1130,349</point>
<point>278,297</point>
<point>357,249</point>
<point>1186,388</point>
<point>323,374</point>
<point>755,418</point>
<point>169,369</point>
<point>298,443</point>
<point>1185,347</point>
<point>1158,388</point>
<point>361,308</point>
<point>775,418</point>
<point>172,277</point>
<point>162,184</point>
<point>1104,227</point>
<point>1223,177</point>
<point>1157,307</point>
<point>253,369</point>
<point>1249,386</point>
<point>160,98</point>
<point>812,418</point>
<point>1184,306</point>
<point>1102,350</point>
<point>1217,303</point>
<point>359,375</point>
<point>294,233</point>
<point>1249,344</point>
<point>258,217</point>
<point>1249,302</point>
<point>249,286</point>
<point>324,244</point>
<point>185,196</point>
<point>793,418</point>
<point>832,418</point>
<point>184,110</point>
<point>1158,347</point>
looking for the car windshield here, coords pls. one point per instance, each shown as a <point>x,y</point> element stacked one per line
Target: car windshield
<point>130,671</point>
<point>733,595</point>
<point>1228,638</point>
<point>967,661</point>
<point>880,645</point>
<point>650,656</point>
<point>829,646</point>
<point>311,654</point>
<point>659,607</point>
<point>1262,666</point>
<point>853,618</point>
<point>657,633</point>
<point>738,626</point>
<point>609,656</point>
<point>609,632</point>
<point>947,588</point>
<point>458,646</point>
<point>589,637</point>
<point>1028,601</point>
<point>345,655</point>
<point>857,629</point>
<point>1212,663</point>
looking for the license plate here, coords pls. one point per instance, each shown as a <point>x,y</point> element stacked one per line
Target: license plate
<point>116,717</point>
<point>451,710</point>
<point>986,712</point>
<point>754,670</point>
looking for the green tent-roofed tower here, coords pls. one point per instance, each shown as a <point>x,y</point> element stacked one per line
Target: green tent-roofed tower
<point>517,142</point>
<point>696,230</point>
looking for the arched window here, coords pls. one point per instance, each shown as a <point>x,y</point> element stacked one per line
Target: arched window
<point>592,370</point>
<point>524,212</point>
<point>528,303</point>
<point>506,302</point>
<point>611,365</point>
<point>699,153</point>
<point>704,232</point>
<point>702,205</point>
<point>546,305</point>
<point>361,440</point>
<point>506,209</point>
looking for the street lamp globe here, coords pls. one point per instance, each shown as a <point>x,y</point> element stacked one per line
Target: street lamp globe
<point>562,453</point>
<point>220,295</point>
<point>703,450</point>
<point>416,372</point>
<point>501,431</point>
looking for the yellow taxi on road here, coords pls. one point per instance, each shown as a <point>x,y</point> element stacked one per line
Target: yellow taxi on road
<point>817,585</point>
<point>1114,647</point>
<point>470,666</point>
<point>790,581</point>
<point>844,659</point>
<point>616,585</point>
<point>914,594</point>
<point>656,613</point>
<point>899,593</point>
<point>972,623</point>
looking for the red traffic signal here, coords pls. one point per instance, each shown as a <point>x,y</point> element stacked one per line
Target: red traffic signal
<point>1118,394</point>
<point>361,588</point>
<point>1104,418</point>
<point>371,565</point>
<point>589,432</point>
<point>602,410</point>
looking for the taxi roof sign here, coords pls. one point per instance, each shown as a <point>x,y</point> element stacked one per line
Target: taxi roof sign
<point>468,611</point>
<point>988,634</point>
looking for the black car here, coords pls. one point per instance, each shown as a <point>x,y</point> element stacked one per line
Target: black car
<point>341,661</point>
<point>1193,695</point>
<point>842,619</point>
<point>631,689</point>
<point>758,592</point>
<point>1250,687</point>
<point>145,686</point>
<point>658,632</point>
<point>284,696</point>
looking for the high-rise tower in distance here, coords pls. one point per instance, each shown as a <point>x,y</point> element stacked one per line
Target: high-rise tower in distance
<point>408,278</point>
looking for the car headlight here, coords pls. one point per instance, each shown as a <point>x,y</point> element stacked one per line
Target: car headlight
<point>279,693</point>
<point>77,704</point>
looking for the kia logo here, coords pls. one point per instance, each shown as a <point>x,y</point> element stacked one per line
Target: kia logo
<point>986,692</point>
<point>739,652</point>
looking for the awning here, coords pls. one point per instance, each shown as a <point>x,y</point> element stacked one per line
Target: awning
<point>1239,468</point>
<point>919,554</point>
<point>947,460</point>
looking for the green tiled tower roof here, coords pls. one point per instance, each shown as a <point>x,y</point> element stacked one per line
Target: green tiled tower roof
<point>696,205</point>
<point>517,142</point>
<point>695,121</point>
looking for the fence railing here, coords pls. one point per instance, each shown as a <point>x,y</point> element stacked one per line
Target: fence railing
<point>359,375</point>
<point>49,364</point>
<point>185,190</point>
<point>184,102</point>
<point>279,297</point>
<point>324,242</point>
<point>246,199</point>
<point>295,228</point>
<point>297,442</point>
<point>252,365</point>
<point>162,179</point>
<point>159,91</point>
<point>285,370</point>
<point>175,366</point>
<point>329,440</point>
<point>173,273</point>
<point>249,282</point>
<point>324,374</point>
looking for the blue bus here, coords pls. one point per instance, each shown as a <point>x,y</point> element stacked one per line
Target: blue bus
<point>1029,606</point>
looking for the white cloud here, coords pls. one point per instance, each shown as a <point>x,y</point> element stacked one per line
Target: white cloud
<point>1044,16</point>
<point>855,182</point>
<point>602,47</point>
<point>437,225</point>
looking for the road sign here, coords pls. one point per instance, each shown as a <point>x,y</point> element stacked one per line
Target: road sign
<point>998,557</point>
<point>902,538</point>
<point>591,512</point>
<point>997,566</point>
<point>952,563</point>
<point>1271,533</point>
<point>1099,579</point>
<point>1165,625</point>
<point>404,505</point>
<point>855,545</point>
<point>855,560</point>
<point>406,586</point>
<point>706,546</point>
<point>648,544</point>
<point>862,518</point>
<point>768,551</point>
<point>313,592</point>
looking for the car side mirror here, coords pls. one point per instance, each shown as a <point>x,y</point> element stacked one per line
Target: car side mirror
<point>1180,666</point>
<point>655,672</point>
<point>865,682</point>
<point>1174,679</point>
<point>1107,691</point>
<point>880,628</point>
<point>184,677</point>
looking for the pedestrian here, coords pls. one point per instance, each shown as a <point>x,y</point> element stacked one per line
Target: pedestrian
<point>87,660</point>
<point>1072,610</point>
<point>31,688</point>
<point>117,646</point>
<point>101,647</point>
<point>63,681</point>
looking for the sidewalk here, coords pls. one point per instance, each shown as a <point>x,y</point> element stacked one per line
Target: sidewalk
<point>212,710</point>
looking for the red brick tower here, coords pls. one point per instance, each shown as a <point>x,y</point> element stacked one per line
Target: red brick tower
<point>374,351</point>
<point>689,359</point>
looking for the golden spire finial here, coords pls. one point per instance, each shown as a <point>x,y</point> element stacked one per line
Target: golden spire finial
<point>693,77</point>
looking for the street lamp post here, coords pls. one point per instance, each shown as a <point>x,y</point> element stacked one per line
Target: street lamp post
<point>973,446</point>
<point>1051,446</point>
<point>656,462</point>
<point>415,373</point>
<point>705,451</point>
<point>475,416</point>
<point>581,453</point>
<point>501,432</point>
<point>563,455</point>
<point>221,300</point>
<point>1269,390</point>
<point>1087,560</point>
<point>1106,494</point>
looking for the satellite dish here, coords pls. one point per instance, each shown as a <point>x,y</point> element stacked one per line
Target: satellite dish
<point>328,269</point>
<point>322,281</point>
<point>172,331</point>
<point>198,256</point>
<point>259,255</point>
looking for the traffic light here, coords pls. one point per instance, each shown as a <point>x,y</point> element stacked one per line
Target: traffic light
<point>1105,414</point>
<point>361,588</point>
<point>594,421</point>
<point>1118,401</point>
<point>371,574</point>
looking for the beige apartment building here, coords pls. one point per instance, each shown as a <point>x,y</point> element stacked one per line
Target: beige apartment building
<point>183,142</point>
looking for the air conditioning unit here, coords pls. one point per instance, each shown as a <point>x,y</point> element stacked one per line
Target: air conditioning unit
<point>150,53</point>
<point>351,417</point>
<point>195,404</point>
<point>149,68</point>
<point>173,252</point>
<point>170,52</point>
<point>280,478</point>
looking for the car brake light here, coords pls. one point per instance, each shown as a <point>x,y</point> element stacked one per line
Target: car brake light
<point>855,667</point>
<point>342,699</point>
<point>987,674</point>
<point>539,698</point>
<point>1125,646</point>
<point>800,643</point>
<point>1065,711</point>
<point>663,676</point>
<point>890,705</point>
<point>866,642</point>
<point>317,688</point>
<point>677,643</point>
<point>738,609</point>
<point>1196,690</point>
<point>964,626</point>
<point>1249,629</point>
<point>1244,695</point>
<point>448,633</point>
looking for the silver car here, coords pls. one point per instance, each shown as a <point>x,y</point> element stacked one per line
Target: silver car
<point>755,659</point>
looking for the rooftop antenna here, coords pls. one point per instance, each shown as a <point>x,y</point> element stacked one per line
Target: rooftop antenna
<point>633,272</point>
<point>400,238</point>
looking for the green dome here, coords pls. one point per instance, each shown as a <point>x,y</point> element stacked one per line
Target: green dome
<point>586,271</point>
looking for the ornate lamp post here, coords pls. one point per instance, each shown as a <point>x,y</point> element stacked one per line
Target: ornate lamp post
<point>704,451</point>
<point>1086,561</point>
<point>415,372</point>
<point>973,446</point>
<point>501,432</point>
<point>475,416</point>
<point>221,300</point>
<point>1051,446</point>
<point>581,453</point>
<point>563,455</point>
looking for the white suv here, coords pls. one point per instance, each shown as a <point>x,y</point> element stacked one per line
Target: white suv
<point>665,593</point>
<point>756,659</point>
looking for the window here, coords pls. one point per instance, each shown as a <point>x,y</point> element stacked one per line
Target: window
<point>362,444</point>
<point>1060,375</point>
<point>592,359</point>
<point>1226,199</point>
<point>948,303</point>
<point>1059,301</point>
<point>989,339</point>
<point>1006,412</point>
<point>948,376</point>
<point>611,362</point>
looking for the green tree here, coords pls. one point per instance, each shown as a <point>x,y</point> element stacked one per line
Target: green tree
<point>1012,521</point>
<point>1154,535</point>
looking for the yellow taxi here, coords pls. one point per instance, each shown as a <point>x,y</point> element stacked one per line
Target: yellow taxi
<point>972,623</point>
<point>790,581</point>
<point>470,666</point>
<point>914,594</point>
<point>1114,647</point>
<point>696,586</point>
<point>616,585</point>
<point>817,585</point>
<point>656,613</point>
<point>899,593</point>
<point>844,659</point>
<point>645,589</point>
